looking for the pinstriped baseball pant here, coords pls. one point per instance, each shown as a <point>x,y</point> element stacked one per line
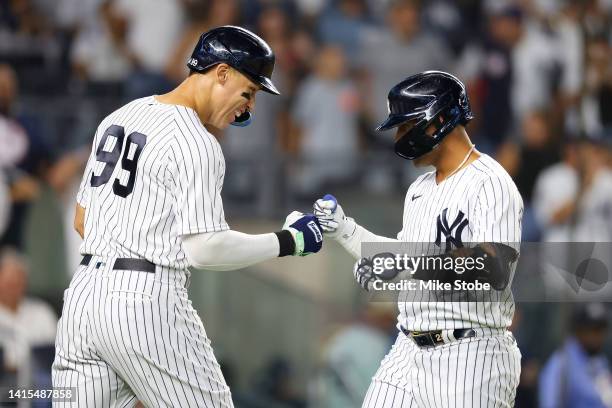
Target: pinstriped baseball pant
<point>130,335</point>
<point>468,373</point>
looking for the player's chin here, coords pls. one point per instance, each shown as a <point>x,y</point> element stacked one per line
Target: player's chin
<point>226,122</point>
<point>420,161</point>
<point>424,160</point>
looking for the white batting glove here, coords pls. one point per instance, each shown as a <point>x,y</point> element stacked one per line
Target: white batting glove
<point>363,272</point>
<point>366,274</point>
<point>332,219</point>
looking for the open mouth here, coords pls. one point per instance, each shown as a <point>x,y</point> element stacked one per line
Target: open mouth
<point>239,112</point>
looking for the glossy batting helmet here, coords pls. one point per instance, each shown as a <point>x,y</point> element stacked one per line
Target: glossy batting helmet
<point>240,49</point>
<point>424,98</point>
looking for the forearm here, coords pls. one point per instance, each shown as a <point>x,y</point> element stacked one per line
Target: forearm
<point>354,235</point>
<point>228,250</point>
<point>344,229</point>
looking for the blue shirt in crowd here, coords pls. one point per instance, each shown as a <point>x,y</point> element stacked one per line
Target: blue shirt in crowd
<point>572,378</point>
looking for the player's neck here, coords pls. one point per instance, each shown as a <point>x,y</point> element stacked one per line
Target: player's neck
<point>185,94</point>
<point>456,153</point>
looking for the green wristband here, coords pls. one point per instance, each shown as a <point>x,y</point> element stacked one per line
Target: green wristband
<point>299,242</point>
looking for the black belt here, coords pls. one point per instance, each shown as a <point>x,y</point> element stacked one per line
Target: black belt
<point>127,264</point>
<point>434,338</point>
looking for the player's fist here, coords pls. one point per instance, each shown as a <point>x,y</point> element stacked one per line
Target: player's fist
<point>363,271</point>
<point>367,271</point>
<point>331,217</point>
<point>306,232</point>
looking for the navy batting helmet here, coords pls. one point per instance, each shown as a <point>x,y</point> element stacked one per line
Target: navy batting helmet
<point>423,98</point>
<point>240,49</point>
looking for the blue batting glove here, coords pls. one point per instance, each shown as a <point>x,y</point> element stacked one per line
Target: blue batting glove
<point>306,232</point>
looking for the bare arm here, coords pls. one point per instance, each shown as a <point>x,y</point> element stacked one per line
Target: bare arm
<point>79,220</point>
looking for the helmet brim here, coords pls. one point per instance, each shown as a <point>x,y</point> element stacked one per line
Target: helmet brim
<point>265,83</point>
<point>395,120</point>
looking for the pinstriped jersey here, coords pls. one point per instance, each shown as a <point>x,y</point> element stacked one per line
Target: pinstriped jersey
<point>154,173</point>
<point>480,203</point>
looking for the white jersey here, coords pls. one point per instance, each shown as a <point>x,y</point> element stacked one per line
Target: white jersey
<point>479,203</point>
<point>155,173</point>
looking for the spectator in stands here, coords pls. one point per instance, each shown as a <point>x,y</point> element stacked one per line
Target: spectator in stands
<point>347,370</point>
<point>573,199</point>
<point>597,98</point>
<point>201,17</point>
<point>25,154</point>
<point>527,390</point>
<point>568,31</point>
<point>274,385</point>
<point>510,73</point>
<point>455,22</point>
<point>578,374</point>
<point>243,148</point>
<point>21,18</point>
<point>5,201</point>
<point>97,51</point>
<point>343,24</point>
<point>324,116</point>
<point>148,32</point>
<point>596,19</point>
<point>525,158</point>
<point>24,322</point>
<point>392,53</point>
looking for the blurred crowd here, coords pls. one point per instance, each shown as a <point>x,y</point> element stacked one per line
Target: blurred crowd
<point>538,72</point>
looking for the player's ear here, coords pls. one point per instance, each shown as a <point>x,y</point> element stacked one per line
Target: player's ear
<point>223,73</point>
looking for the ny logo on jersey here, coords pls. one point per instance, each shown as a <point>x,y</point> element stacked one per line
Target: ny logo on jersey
<point>452,233</point>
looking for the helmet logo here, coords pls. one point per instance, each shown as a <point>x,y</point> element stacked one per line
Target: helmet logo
<point>193,62</point>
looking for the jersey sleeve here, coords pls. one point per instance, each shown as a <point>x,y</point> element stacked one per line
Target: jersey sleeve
<point>496,213</point>
<point>197,168</point>
<point>405,215</point>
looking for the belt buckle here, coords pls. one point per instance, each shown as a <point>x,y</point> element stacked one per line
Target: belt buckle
<point>428,339</point>
<point>423,340</point>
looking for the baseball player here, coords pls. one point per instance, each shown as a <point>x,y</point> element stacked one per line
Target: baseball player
<point>448,353</point>
<point>149,206</point>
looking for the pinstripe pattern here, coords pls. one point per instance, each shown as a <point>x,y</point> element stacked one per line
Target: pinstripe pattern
<point>486,194</point>
<point>178,185</point>
<point>469,373</point>
<point>126,336</point>
<point>476,372</point>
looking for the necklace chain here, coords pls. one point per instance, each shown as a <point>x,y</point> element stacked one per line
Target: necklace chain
<point>465,159</point>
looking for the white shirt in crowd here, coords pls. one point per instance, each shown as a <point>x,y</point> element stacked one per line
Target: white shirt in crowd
<point>559,184</point>
<point>34,324</point>
<point>153,29</point>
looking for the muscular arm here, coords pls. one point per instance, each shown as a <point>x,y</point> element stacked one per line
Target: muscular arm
<point>79,220</point>
<point>228,250</point>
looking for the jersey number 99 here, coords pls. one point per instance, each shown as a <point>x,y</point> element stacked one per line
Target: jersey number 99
<point>110,159</point>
